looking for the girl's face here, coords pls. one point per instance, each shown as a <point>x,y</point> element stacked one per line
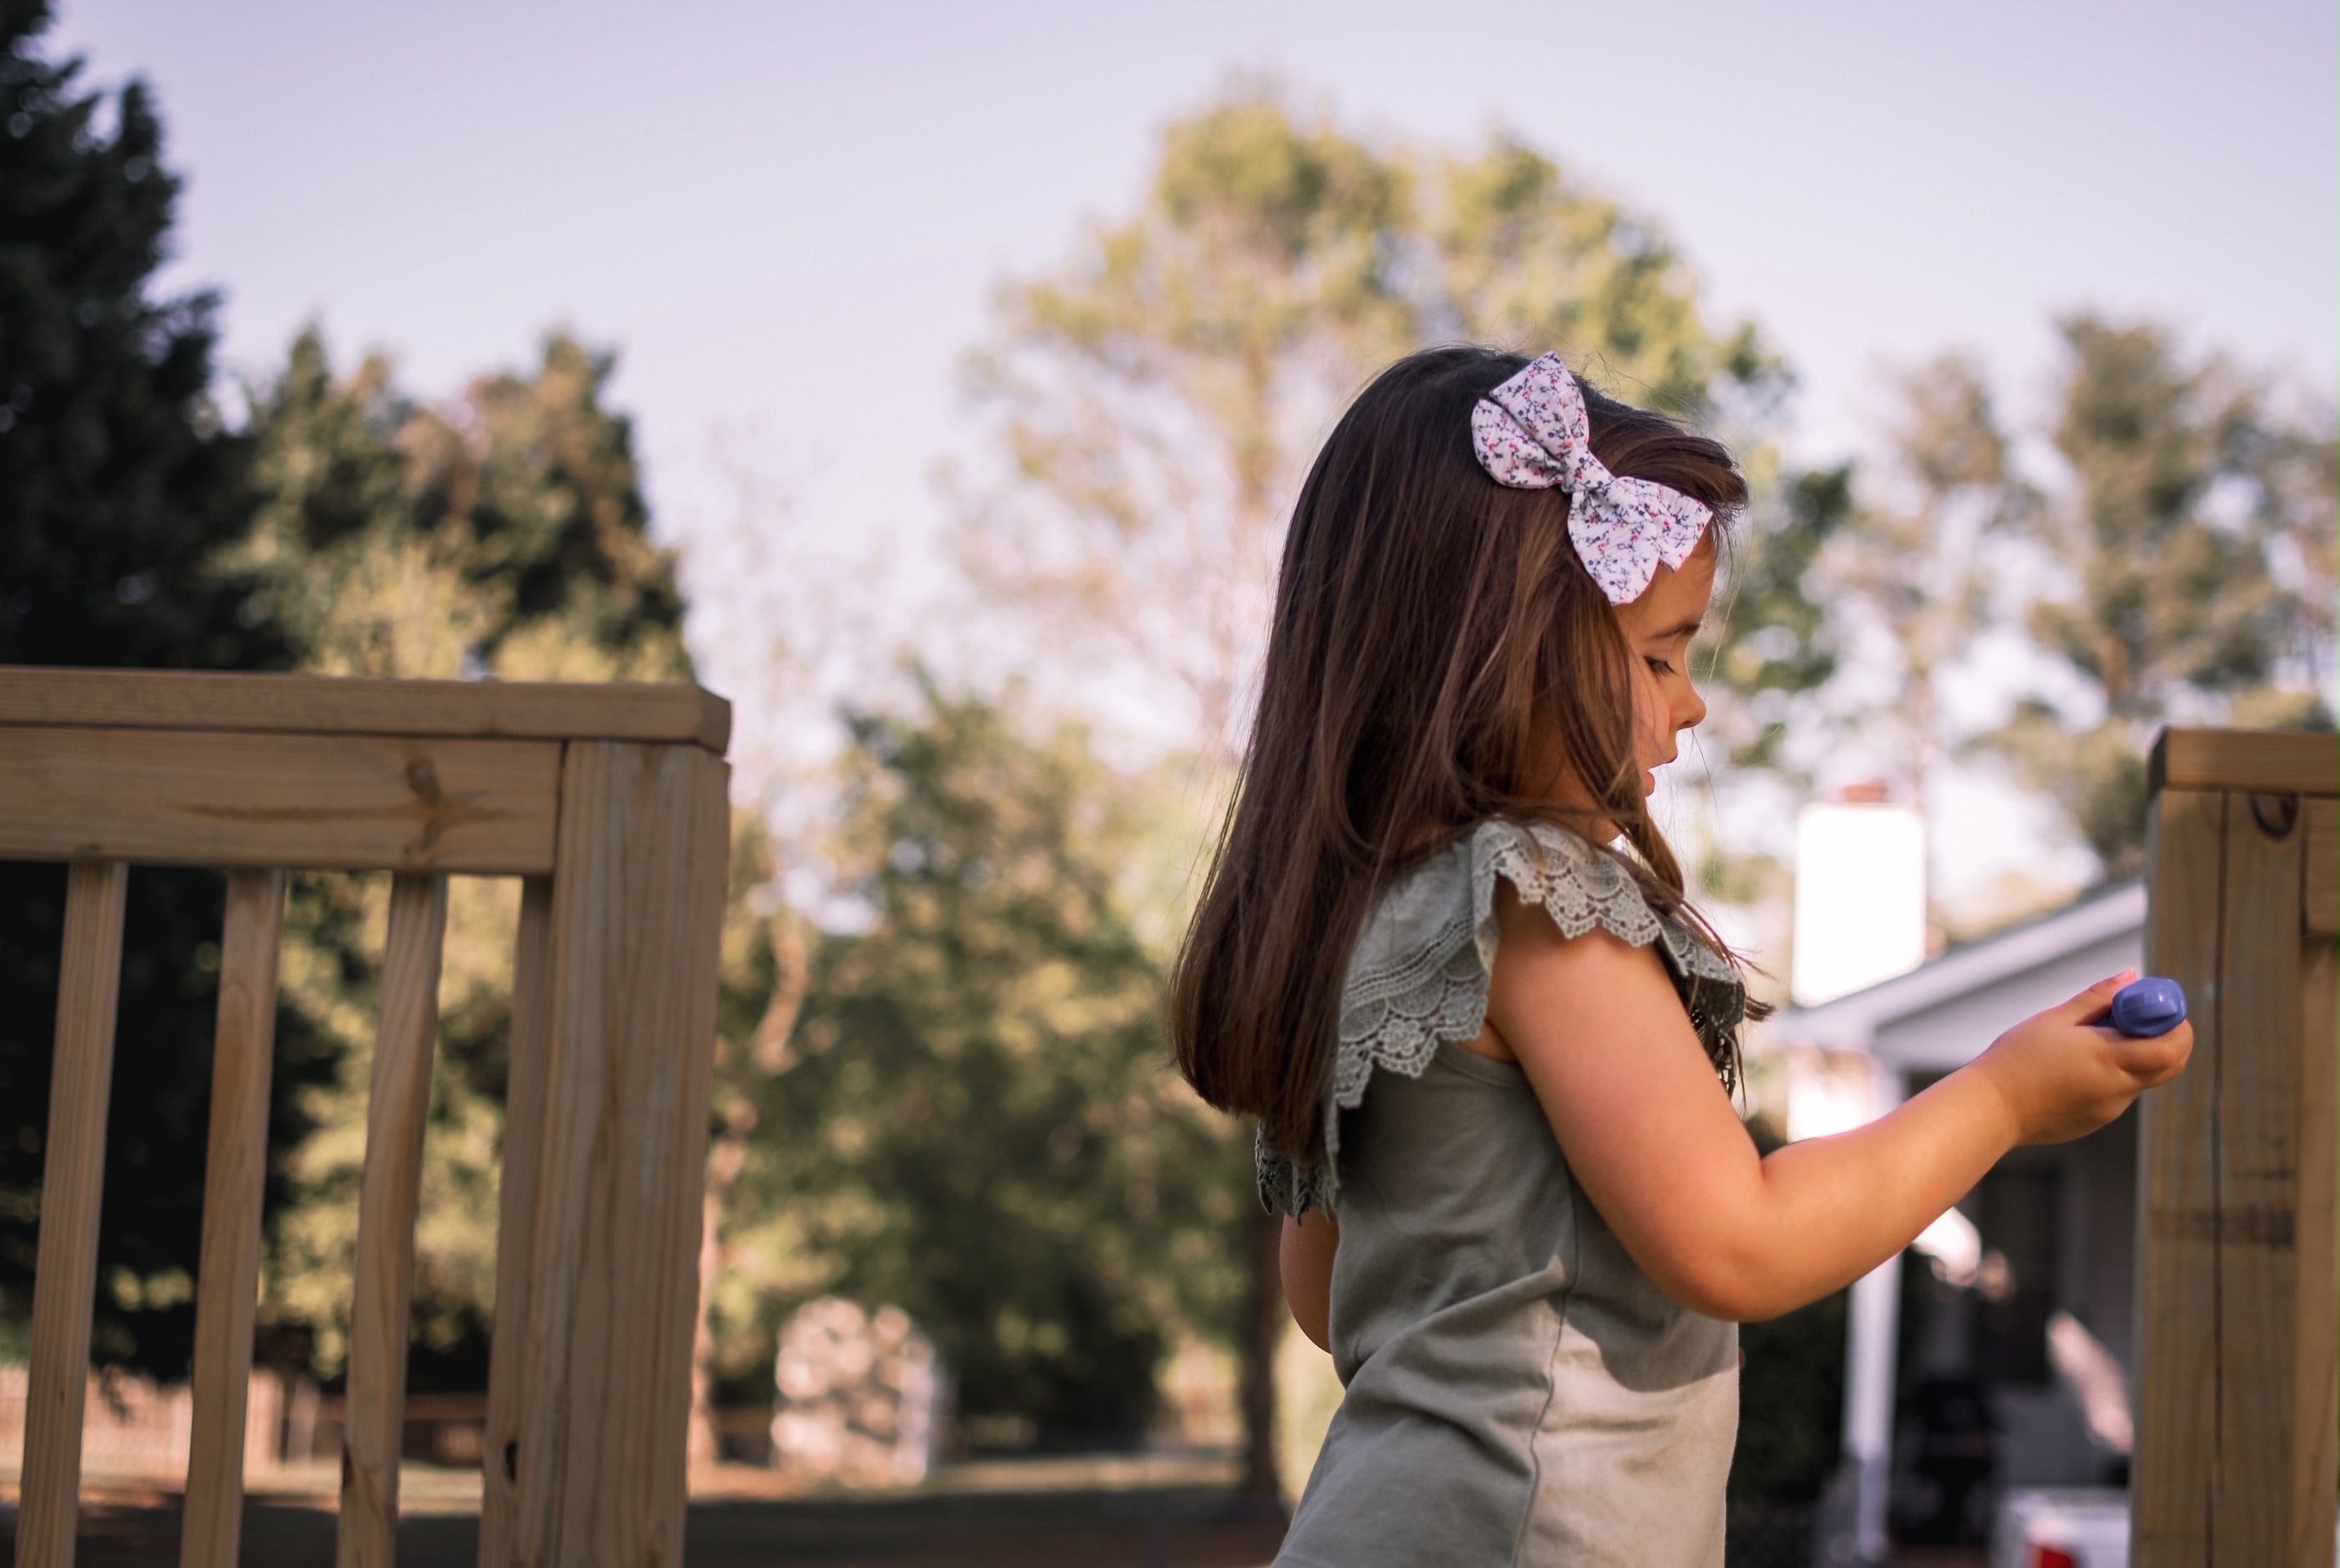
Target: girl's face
<point>1659,626</point>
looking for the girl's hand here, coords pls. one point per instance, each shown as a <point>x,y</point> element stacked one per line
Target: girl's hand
<point>2063,1073</point>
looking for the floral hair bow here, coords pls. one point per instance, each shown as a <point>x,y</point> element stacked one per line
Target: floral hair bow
<point>1532,433</point>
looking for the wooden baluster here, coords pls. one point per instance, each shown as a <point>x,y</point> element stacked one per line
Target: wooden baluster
<point>532,1032</point>
<point>244,1050</point>
<point>72,1179</point>
<point>396,1110</point>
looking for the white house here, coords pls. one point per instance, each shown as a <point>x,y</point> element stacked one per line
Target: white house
<point>2026,1305</point>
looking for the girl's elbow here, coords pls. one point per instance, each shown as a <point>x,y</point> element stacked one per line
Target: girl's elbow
<point>1716,1283</point>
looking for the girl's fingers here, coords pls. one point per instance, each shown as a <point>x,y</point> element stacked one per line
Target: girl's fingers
<point>2092,1003</point>
<point>2155,1060</point>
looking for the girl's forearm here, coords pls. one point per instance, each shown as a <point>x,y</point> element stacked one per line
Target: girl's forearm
<point>1829,1210</point>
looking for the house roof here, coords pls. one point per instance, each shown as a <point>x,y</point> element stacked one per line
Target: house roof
<point>2036,956</point>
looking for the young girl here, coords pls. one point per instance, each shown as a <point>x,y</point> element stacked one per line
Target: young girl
<point>1444,957</point>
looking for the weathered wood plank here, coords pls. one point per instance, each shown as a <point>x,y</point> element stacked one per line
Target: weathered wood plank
<point>73,1177</point>
<point>524,1090</point>
<point>2274,761</point>
<point>2315,1412</point>
<point>679,1231</point>
<point>2177,1236</point>
<point>2257,1339</point>
<point>396,1110</point>
<point>342,705</point>
<point>604,1398</point>
<point>236,800</point>
<point>236,1171</point>
<point>2320,909</point>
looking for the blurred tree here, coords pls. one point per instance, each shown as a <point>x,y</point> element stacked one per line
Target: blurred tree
<point>1159,396</point>
<point>974,1120</point>
<point>118,486</point>
<point>1923,572</point>
<point>2193,570</point>
<point>2182,572</point>
<point>504,536</point>
<point>1910,572</point>
<point>118,480</point>
<point>747,1261</point>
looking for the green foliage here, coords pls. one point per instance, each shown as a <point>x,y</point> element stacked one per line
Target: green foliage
<point>504,536</point>
<point>117,487</point>
<point>116,481</point>
<point>1529,258</point>
<point>979,1123</point>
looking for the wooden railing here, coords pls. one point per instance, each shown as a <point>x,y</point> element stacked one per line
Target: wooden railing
<point>2238,1211</point>
<point>610,803</point>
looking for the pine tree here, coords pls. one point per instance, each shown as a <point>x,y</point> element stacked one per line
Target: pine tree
<point>118,488</point>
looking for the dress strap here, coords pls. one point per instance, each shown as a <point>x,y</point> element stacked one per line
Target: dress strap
<point>1420,972</point>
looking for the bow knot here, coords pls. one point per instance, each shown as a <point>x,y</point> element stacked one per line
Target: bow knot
<point>1532,433</point>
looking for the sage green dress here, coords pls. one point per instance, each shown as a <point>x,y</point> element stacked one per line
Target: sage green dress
<point>1518,1390</point>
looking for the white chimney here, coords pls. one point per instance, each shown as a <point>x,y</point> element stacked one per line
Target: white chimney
<point>1860,897</point>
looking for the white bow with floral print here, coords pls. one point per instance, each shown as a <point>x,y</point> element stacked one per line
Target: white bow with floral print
<point>1532,433</point>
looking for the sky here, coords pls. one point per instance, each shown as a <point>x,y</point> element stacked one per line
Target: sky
<point>787,219</point>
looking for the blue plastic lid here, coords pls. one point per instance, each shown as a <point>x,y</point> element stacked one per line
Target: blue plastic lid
<point>2149,1007</point>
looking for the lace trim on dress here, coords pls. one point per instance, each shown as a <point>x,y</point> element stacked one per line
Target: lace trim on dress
<point>1396,1009</point>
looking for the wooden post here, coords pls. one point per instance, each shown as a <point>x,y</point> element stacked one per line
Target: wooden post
<point>595,1450</point>
<point>73,1178</point>
<point>2239,1307</point>
<point>236,1171</point>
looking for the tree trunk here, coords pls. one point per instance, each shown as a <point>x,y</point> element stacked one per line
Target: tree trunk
<point>723,1163</point>
<point>1263,1240</point>
<point>767,1055</point>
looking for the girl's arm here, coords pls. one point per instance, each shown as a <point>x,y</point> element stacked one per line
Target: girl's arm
<point>1306,1257</point>
<point>1651,1134</point>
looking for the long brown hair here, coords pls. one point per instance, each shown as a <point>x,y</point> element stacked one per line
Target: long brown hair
<point>1434,636</point>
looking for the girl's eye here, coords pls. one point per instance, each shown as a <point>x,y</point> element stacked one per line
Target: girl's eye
<point>1659,666</point>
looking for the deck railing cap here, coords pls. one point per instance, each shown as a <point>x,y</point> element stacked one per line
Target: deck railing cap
<point>675,712</point>
<point>2269,761</point>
